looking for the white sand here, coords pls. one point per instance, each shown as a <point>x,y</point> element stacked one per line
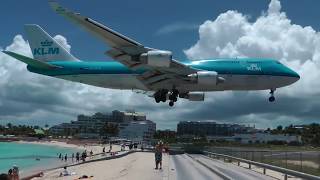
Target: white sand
<point>138,166</point>
<point>95,148</point>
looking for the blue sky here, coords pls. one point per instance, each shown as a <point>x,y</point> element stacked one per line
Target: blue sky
<point>140,20</point>
<point>287,30</point>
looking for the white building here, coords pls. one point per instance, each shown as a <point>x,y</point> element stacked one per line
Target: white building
<point>138,130</point>
<point>91,126</point>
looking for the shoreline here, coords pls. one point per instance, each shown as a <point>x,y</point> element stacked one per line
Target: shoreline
<point>51,143</point>
<point>77,146</point>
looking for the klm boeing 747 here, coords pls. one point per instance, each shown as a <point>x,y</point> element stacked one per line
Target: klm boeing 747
<point>137,67</point>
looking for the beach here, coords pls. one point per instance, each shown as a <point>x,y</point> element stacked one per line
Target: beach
<point>135,165</point>
<point>138,165</point>
<point>117,165</point>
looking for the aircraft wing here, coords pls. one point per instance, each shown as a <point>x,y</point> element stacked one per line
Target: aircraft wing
<point>126,50</point>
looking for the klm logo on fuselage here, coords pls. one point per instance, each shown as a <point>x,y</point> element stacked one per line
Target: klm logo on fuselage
<point>46,49</point>
<point>254,67</point>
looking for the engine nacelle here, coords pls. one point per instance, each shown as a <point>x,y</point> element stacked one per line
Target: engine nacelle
<point>195,96</point>
<point>157,58</point>
<point>206,78</point>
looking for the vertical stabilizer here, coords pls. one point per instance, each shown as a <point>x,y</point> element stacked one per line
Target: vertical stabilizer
<point>44,47</point>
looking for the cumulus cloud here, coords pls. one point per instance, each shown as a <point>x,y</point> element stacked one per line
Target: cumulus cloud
<point>272,35</point>
<point>62,41</point>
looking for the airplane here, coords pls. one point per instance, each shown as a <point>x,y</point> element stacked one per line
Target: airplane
<point>137,67</point>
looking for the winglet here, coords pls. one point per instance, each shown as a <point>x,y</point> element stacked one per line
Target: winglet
<point>30,61</point>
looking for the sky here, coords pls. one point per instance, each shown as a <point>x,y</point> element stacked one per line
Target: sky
<point>287,30</point>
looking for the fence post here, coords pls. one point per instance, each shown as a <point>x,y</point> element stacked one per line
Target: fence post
<point>301,161</point>
<point>286,159</point>
<point>319,162</point>
<point>286,177</point>
<point>252,155</point>
<point>249,165</point>
<point>264,170</point>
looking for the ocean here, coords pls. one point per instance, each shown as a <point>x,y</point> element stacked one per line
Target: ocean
<point>30,157</point>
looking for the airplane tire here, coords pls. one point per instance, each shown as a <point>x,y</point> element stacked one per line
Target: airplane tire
<point>171,103</point>
<point>272,99</point>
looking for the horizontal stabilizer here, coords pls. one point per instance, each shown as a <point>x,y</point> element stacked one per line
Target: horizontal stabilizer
<point>30,61</point>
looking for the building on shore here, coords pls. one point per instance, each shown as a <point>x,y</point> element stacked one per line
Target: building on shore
<point>215,132</point>
<point>257,138</point>
<point>210,128</point>
<point>129,124</point>
<point>138,130</point>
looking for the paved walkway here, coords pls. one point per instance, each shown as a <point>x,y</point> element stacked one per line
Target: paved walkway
<point>140,166</point>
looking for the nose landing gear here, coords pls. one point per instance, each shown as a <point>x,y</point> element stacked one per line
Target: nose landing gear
<point>272,98</point>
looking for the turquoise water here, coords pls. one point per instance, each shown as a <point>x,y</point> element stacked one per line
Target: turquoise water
<point>24,156</point>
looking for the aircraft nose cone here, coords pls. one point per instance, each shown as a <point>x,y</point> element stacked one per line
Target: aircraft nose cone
<point>292,74</point>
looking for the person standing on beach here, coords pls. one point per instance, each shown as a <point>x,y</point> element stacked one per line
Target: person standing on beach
<point>110,148</point>
<point>72,157</point>
<point>66,158</point>
<point>84,156</point>
<point>91,154</point>
<point>60,156</point>
<point>77,157</point>
<point>104,150</point>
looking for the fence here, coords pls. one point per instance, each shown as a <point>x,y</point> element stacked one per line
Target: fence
<point>285,171</point>
<point>302,161</point>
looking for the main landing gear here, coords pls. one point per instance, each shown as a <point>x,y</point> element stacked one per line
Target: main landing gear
<point>163,94</point>
<point>272,98</point>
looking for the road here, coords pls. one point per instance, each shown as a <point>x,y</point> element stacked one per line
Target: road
<point>186,168</point>
<point>189,167</point>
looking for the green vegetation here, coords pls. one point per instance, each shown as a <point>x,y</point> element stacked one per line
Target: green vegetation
<point>23,130</point>
<point>310,134</point>
<point>166,136</point>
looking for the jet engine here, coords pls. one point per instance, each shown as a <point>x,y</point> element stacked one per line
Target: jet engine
<point>157,58</point>
<point>206,78</point>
